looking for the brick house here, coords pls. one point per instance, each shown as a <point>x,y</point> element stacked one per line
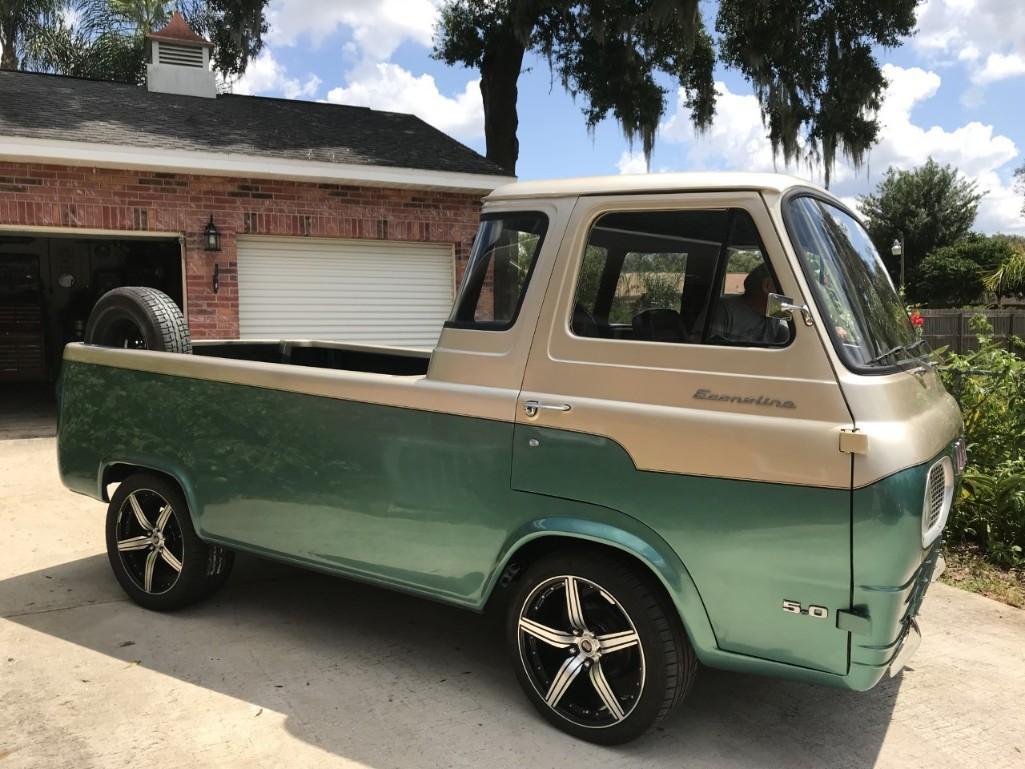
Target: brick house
<point>333,222</point>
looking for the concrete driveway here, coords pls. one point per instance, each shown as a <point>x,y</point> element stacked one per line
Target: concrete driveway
<point>288,669</point>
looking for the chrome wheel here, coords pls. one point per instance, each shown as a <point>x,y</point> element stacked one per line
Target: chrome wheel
<point>581,651</point>
<point>149,541</point>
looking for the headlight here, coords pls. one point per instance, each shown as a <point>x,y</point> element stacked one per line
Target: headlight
<point>960,454</point>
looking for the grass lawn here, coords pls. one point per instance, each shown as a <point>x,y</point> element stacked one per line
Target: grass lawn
<point>967,570</point>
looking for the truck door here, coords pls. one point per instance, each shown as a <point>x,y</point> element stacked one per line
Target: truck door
<point>656,386</point>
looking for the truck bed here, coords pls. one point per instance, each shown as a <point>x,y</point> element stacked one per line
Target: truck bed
<point>399,361</point>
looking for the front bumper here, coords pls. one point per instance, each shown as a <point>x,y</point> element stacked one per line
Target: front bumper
<point>908,647</point>
<point>894,634</point>
<point>912,634</point>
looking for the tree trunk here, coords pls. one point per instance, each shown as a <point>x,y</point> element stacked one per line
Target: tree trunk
<point>499,73</point>
<point>9,42</point>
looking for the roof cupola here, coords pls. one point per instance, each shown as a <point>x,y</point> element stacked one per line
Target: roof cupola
<point>179,61</point>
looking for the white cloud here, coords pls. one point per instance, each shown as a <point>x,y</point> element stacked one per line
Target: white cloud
<point>388,86</point>
<point>988,36</point>
<point>737,141</point>
<point>999,66</point>
<point>736,138</point>
<point>974,148</point>
<point>968,53</point>
<point>378,27</point>
<point>632,163</point>
<point>1001,209</point>
<point>266,76</point>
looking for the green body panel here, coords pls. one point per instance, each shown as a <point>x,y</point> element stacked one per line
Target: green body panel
<point>891,569</point>
<point>414,499</point>
<point>409,497</point>
<point>436,504</point>
<point>748,546</point>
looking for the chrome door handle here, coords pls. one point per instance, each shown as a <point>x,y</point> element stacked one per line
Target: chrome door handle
<point>531,408</point>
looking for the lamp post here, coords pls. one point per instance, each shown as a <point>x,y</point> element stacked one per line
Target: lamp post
<point>897,249</point>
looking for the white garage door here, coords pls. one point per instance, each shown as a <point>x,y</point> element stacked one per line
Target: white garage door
<point>370,291</point>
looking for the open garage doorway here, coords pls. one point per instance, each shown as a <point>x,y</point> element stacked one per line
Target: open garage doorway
<point>48,286</point>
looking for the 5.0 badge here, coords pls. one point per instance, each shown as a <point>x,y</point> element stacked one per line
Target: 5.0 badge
<point>793,607</point>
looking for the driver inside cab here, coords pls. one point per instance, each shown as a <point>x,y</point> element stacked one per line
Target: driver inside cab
<point>741,319</point>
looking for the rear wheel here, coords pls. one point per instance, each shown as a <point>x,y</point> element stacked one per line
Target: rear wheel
<point>597,648</point>
<point>153,548</point>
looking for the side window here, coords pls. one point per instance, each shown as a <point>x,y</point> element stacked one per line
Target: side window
<point>496,277</point>
<point>697,277</point>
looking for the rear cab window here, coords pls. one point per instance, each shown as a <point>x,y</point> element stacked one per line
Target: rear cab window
<point>680,277</point>
<point>501,262</point>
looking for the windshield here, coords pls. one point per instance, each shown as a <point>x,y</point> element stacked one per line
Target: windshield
<point>867,320</point>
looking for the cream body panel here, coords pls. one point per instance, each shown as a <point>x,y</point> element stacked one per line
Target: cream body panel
<point>485,358</point>
<point>907,416</point>
<point>642,394</point>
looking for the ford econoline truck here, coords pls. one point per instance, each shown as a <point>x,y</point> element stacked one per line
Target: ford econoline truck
<point>671,419</point>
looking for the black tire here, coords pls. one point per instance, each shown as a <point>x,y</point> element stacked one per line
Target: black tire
<point>138,317</point>
<point>666,659</point>
<point>137,552</point>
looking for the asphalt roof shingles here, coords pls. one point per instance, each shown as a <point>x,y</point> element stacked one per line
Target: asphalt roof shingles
<point>72,109</point>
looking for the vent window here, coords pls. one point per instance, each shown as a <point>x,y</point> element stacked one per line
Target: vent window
<point>180,55</point>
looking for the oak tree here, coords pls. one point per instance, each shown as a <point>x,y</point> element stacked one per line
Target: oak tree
<point>811,63</point>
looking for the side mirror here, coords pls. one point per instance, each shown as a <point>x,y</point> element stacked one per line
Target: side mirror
<point>783,308</point>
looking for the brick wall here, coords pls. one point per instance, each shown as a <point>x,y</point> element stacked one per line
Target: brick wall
<point>97,198</point>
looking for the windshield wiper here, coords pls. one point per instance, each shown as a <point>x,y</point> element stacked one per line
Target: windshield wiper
<point>898,349</point>
<point>887,354</point>
<point>913,345</point>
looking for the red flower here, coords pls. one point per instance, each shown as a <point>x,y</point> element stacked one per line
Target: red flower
<point>917,320</point>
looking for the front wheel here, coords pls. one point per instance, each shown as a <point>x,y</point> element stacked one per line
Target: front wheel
<point>153,548</point>
<point>597,647</point>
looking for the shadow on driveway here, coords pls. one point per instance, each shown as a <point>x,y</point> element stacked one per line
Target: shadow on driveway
<point>358,670</point>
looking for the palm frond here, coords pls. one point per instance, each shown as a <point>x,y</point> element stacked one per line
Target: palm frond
<point>1009,277</point>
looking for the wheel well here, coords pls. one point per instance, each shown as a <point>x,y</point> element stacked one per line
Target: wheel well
<point>119,471</point>
<point>540,547</point>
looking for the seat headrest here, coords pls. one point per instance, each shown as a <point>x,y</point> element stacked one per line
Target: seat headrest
<point>658,325</point>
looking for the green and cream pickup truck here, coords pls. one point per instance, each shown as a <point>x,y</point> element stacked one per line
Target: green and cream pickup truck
<point>672,419</point>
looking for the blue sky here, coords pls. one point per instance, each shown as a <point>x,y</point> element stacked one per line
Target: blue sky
<point>956,92</point>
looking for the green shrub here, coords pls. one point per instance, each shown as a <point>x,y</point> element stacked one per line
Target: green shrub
<point>947,279</point>
<point>989,510</point>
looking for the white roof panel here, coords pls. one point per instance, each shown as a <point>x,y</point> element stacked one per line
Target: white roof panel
<point>647,184</point>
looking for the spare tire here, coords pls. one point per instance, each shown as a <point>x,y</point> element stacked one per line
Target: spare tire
<point>138,318</point>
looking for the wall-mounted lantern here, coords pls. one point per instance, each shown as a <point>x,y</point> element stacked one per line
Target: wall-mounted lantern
<point>211,237</point>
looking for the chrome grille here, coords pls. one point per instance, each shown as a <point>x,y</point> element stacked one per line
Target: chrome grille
<point>937,489</point>
<point>939,494</point>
